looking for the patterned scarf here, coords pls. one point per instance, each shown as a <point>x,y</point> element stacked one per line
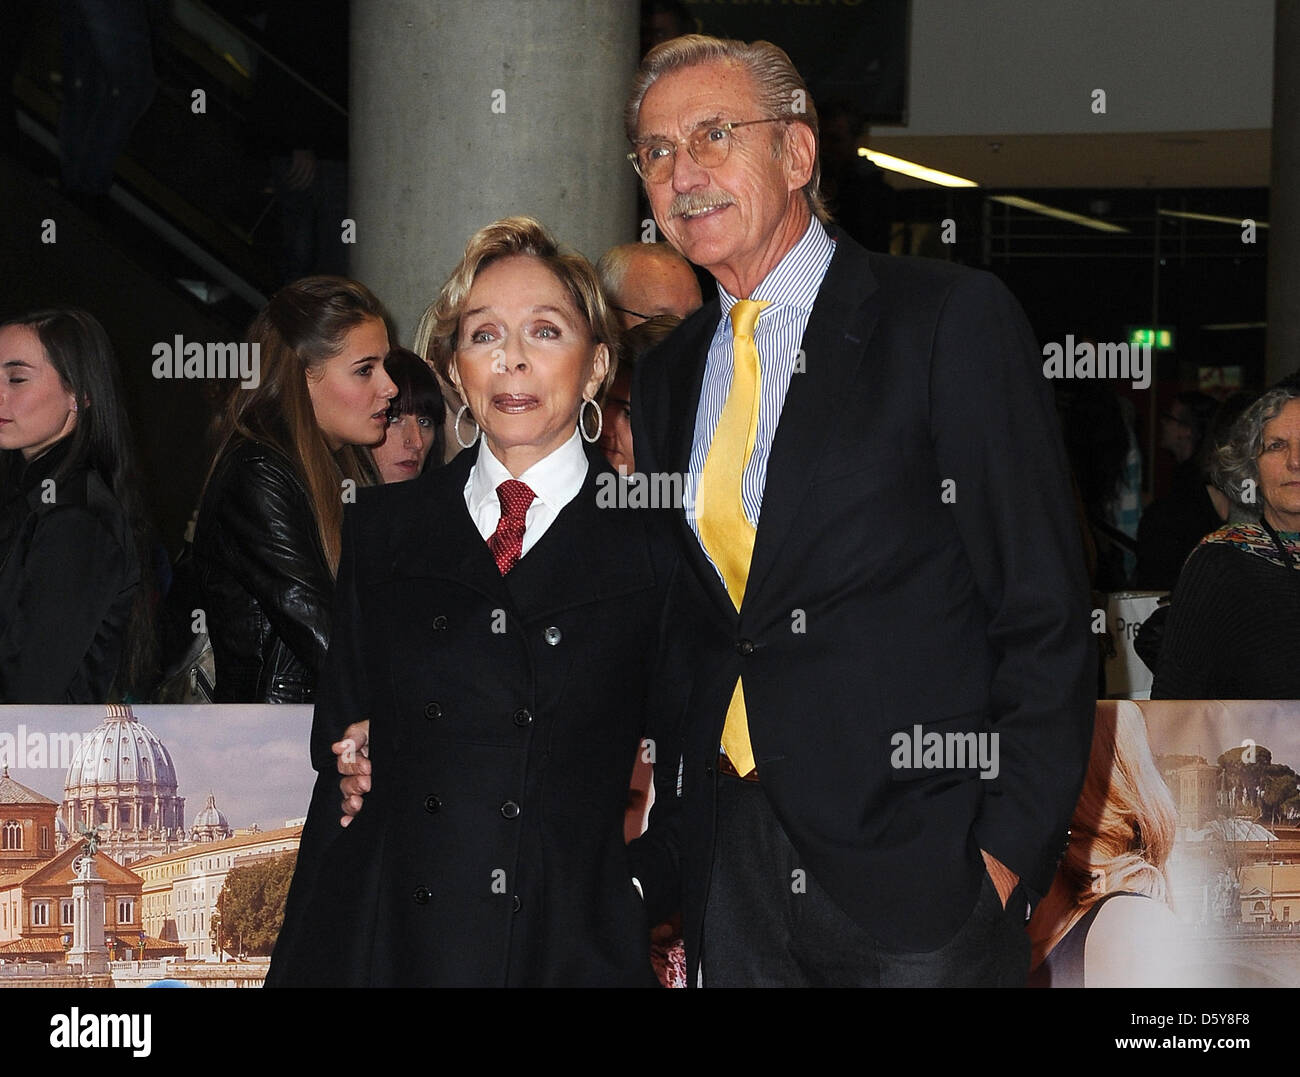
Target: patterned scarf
<point>1253,539</point>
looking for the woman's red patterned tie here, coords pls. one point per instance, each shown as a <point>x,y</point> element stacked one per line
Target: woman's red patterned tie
<point>507,541</point>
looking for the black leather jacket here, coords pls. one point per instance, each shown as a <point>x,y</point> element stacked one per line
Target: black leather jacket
<point>263,578</point>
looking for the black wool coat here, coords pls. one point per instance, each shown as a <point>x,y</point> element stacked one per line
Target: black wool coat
<point>69,573</point>
<point>505,715</point>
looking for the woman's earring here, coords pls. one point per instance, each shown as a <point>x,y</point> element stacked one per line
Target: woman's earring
<point>600,421</point>
<point>477,429</point>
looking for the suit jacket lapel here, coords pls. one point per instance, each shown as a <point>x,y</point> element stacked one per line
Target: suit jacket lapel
<point>834,344</point>
<point>447,543</point>
<point>584,556</point>
<point>686,381</point>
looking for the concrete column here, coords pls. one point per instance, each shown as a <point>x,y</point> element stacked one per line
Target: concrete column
<point>465,111</point>
<point>1284,197</point>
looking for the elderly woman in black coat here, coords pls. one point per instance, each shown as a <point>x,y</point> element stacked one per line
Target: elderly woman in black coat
<point>499,623</point>
<point>1233,632</point>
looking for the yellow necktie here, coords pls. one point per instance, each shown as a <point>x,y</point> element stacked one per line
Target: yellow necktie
<point>725,530</point>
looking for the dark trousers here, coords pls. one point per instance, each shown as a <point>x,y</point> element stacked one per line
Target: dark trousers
<point>768,923</point>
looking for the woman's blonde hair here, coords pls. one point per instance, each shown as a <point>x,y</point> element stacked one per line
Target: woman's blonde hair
<point>439,328</point>
<point>1122,830</point>
<point>303,325</point>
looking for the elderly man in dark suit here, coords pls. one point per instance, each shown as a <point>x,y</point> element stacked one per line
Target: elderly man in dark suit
<point>891,710</point>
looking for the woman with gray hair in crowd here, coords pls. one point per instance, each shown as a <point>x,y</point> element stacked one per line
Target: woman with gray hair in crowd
<point>1233,628</point>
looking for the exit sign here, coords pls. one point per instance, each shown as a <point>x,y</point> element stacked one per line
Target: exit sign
<point>1161,339</point>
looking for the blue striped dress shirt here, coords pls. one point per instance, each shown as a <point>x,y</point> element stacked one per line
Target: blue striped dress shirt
<point>791,289</point>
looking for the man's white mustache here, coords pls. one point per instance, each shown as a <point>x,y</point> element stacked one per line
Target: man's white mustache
<point>684,204</point>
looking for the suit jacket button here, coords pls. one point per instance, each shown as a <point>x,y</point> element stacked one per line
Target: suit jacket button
<point>552,635</point>
<point>510,810</point>
<point>745,646</point>
<point>516,904</point>
<point>523,716</point>
<point>433,710</point>
<point>432,804</point>
<point>439,623</point>
<point>421,895</point>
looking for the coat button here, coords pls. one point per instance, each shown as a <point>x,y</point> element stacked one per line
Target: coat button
<point>523,716</point>
<point>510,810</point>
<point>439,623</point>
<point>552,635</point>
<point>745,646</point>
<point>421,895</point>
<point>433,710</point>
<point>516,904</point>
<point>432,804</point>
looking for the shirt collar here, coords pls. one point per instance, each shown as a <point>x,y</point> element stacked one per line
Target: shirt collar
<point>796,278</point>
<point>555,479</point>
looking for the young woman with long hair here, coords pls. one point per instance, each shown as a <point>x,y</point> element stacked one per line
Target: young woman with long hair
<point>289,457</point>
<point>76,597</point>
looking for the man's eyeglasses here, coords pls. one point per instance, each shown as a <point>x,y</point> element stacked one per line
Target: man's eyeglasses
<point>708,144</point>
<point>633,313</point>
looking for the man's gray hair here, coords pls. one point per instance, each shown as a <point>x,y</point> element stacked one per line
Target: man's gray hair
<point>781,89</point>
<point>1234,468</point>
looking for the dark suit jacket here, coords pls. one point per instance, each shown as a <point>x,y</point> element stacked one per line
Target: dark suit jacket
<point>874,604</point>
<point>506,714</point>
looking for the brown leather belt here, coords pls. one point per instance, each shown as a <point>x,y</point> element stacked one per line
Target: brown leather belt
<point>725,767</point>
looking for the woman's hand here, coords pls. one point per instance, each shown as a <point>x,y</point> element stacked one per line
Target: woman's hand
<point>353,753</point>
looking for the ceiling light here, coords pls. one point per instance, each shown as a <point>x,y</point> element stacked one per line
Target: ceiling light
<point>1016,202</point>
<point>1236,222</point>
<point>911,168</point>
